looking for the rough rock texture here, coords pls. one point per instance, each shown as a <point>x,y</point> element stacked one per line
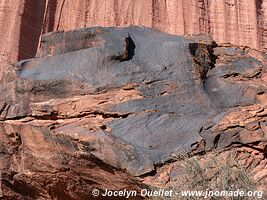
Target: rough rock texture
<point>102,107</point>
<point>239,22</point>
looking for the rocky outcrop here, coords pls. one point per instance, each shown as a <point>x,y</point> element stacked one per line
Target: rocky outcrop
<point>241,22</point>
<point>105,107</point>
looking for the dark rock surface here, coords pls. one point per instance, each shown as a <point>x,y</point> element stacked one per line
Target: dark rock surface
<point>100,105</point>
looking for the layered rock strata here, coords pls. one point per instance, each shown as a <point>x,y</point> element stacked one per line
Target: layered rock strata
<point>105,107</point>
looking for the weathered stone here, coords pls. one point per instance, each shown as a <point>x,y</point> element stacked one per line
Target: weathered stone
<point>241,23</point>
<point>124,101</point>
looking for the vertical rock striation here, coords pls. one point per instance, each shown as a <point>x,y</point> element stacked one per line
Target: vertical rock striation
<point>240,22</point>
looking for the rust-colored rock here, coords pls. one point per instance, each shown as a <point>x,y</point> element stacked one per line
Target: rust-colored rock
<point>108,108</point>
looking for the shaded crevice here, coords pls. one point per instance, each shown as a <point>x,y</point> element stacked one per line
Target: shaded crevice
<point>103,127</point>
<point>204,58</point>
<point>230,75</point>
<point>49,21</point>
<point>20,188</point>
<point>101,164</point>
<point>153,81</point>
<point>260,21</point>
<point>265,152</point>
<point>55,116</point>
<point>129,50</point>
<point>31,28</point>
<point>251,145</point>
<point>257,74</point>
<point>152,173</point>
<point>110,115</point>
<point>204,19</point>
<point>216,141</point>
<point>5,107</point>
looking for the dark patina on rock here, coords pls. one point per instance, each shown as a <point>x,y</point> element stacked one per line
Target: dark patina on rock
<point>129,98</point>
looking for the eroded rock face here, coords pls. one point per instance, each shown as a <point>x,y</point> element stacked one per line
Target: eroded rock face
<point>241,22</point>
<point>106,106</point>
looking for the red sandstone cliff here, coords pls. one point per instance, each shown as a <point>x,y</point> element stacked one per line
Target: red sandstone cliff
<point>240,22</point>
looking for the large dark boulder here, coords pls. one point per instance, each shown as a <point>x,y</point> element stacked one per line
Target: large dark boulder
<point>129,99</point>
